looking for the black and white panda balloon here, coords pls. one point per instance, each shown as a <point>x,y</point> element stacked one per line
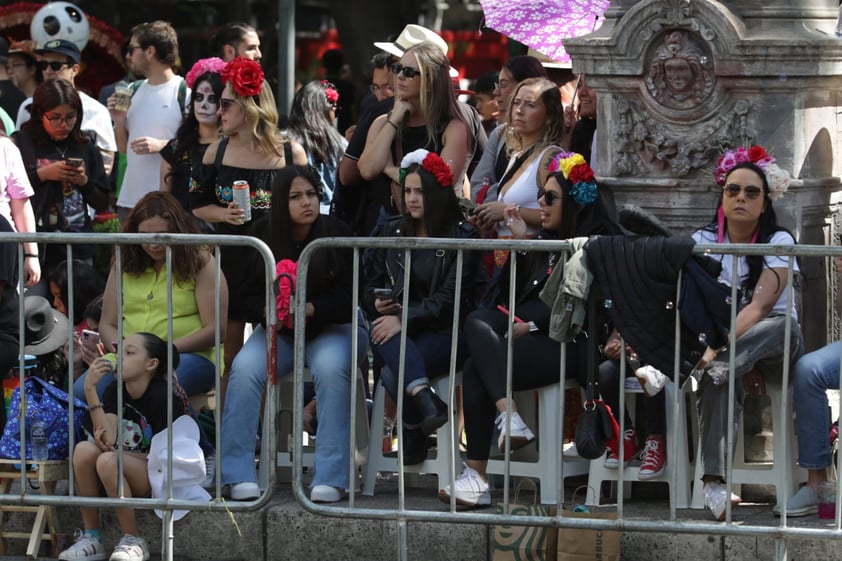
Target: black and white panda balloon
<point>60,20</point>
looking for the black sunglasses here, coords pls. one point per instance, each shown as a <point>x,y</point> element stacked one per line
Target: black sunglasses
<point>398,68</point>
<point>225,103</point>
<point>55,65</point>
<point>751,191</point>
<point>549,197</point>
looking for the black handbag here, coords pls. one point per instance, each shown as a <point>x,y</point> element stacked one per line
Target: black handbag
<point>597,428</point>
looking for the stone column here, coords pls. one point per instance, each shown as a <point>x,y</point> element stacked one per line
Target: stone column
<point>678,81</point>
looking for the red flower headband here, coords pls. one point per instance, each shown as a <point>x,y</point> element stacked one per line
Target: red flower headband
<point>330,92</point>
<point>431,163</point>
<point>244,75</point>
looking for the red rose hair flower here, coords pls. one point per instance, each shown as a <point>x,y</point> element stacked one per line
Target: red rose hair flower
<point>244,75</point>
<point>437,167</point>
<point>582,172</point>
<point>330,92</point>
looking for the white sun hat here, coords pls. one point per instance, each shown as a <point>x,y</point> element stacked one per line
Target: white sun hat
<point>188,464</point>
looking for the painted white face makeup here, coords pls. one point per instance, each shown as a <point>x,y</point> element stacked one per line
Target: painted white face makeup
<point>205,104</point>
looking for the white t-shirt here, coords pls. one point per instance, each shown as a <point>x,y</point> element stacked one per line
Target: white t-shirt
<point>95,119</point>
<point>770,262</point>
<point>156,113</point>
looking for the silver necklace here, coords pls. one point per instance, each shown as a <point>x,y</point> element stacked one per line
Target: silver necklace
<point>60,151</point>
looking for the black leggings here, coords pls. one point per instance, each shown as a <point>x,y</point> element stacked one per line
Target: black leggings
<point>535,364</point>
<point>609,388</point>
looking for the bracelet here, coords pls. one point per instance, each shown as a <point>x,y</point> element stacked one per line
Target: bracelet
<point>391,123</point>
<point>28,255</point>
<point>94,406</point>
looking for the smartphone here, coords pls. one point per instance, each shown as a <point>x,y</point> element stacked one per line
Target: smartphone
<point>74,162</point>
<point>91,340</point>
<point>383,293</point>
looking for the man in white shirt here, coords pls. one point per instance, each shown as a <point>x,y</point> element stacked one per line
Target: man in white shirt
<point>60,59</point>
<point>155,113</point>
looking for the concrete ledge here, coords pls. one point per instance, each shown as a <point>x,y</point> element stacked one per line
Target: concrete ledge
<point>285,530</point>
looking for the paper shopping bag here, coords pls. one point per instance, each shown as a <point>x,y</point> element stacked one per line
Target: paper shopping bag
<point>577,544</point>
<point>524,543</point>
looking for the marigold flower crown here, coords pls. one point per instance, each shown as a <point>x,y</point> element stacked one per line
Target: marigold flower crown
<point>431,163</point>
<point>203,65</point>
<point>575,169</point>
<point>244,75</point>
<point>777,178</point>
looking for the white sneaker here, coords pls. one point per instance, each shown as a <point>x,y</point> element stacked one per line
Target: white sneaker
<point>245,491</point>
<point>716,496</point>
<point>469,488</point>
<point>652,380</point>
<point>130,548</point>
<point>569,450</point>
<point>521,435</point>
<point>326,494</point>
<point>210,471</point>
<point>86,548</point>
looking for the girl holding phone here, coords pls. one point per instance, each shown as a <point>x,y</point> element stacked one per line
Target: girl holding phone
<point>65,169</point>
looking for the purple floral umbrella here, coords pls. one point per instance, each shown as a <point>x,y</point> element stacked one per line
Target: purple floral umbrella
<point>542,24</point>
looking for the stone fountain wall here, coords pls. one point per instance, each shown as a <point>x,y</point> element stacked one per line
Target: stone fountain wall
<point>678,81</point>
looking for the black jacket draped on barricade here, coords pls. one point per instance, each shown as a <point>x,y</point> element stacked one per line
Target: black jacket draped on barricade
<point>635,280</point>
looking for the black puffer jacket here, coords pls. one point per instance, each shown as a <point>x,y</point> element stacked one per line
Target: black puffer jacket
<point>432,284</point>
<point>636,280</point>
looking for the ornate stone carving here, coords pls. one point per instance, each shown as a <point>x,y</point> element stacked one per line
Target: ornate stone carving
<point>679,76</point>
<point>646,146</point>
<point>676,13</point>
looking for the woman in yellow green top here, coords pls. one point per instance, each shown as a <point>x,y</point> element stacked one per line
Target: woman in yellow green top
<point>144,293</point>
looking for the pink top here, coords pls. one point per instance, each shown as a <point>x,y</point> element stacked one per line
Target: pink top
<point>14,183</point>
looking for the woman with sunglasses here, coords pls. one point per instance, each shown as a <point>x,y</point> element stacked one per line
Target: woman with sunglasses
<point>253,150</point>
<point>569,207</point>
<point>199,129</point>
<point>65,169</point>
<point>312,122</point>
<point>426,115</point>
<point>750,181</point>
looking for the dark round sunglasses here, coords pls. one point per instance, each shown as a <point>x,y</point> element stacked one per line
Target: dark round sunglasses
<point>407,72</point>
<point>549,197</point>
<point>751,191</point>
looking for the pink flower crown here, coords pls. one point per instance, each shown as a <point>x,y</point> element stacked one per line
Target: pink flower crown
<point>203,65</point>
<point>575,169</point>
<point>431,163</point>
<point>331,93</point>
<point>777,178</point>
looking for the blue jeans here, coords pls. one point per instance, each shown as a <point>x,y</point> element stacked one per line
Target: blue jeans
<point>328,355</point>
<point>427,356</point>
<point>762,346</point>
<point>196,374</point>
<point>814,373</point>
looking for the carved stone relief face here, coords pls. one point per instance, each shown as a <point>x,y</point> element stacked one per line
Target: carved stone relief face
<point>678,76</point>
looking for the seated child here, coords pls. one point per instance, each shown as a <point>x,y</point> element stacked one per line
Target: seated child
<point>144,380</point>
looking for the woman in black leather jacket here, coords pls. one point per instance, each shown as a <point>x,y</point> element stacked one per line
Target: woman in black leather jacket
<point>432,211</point>
<point>569,207</point>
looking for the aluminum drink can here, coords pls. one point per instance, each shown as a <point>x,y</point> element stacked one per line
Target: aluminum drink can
<point>242,196</point>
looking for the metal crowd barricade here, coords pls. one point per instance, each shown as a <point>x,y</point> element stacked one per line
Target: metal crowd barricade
<point>674,524</point>
<point>167,504</point>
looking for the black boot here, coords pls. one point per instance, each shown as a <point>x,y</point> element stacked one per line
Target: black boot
<point>433,410</point>
<point>415,446</point>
